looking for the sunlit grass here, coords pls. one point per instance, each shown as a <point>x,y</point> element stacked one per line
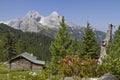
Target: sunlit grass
<point>20,74</point>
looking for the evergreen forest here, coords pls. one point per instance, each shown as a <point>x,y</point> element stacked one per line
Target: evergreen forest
<point>14,42</point>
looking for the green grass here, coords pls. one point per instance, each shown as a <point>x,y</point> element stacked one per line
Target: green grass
<point>19,74</point>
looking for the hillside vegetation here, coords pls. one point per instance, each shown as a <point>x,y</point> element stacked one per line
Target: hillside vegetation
<point>34,43</point>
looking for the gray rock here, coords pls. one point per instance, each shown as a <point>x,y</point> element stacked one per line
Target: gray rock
<point>68,78</point>
<point>104,77</point>
<point>92,78</point>
<point>108,77</point>
<point>71,78</point>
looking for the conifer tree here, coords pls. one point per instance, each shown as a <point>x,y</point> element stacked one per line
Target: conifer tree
<point>20,46</point>
<point>117,37</point>
<point>113,49</point>
<point>10,42</point>
<point>3,55</point>
<point>59,47</point>
<point>90,45</point>
<point>112,62</point>
<point>74,49</point>
<point>61,44</point>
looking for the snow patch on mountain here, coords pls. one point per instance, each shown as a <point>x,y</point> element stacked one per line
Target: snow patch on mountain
<point>52,21</point>
<point>33,21</point>
<point>47,25</point>
<point>33,15</point>
<point>5,22</point>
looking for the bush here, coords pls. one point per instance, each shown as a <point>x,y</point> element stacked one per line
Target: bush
<point>3,68</point>
<point>111,66</point>
<point>72,65</point>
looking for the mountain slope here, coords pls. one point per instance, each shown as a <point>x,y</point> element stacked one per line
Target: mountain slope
<point>48,25</point>
<point>35,43</point>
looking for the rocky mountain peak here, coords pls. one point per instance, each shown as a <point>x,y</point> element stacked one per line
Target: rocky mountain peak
<point>48,25</point>
<point>33,15</point>
<point>33,21</point>
<point>51,21</point>
<point>55,14</point>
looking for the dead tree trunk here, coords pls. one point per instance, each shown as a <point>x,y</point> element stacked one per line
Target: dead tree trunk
<point>105,42</point>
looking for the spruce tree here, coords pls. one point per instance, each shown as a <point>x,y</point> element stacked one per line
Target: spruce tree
<point>90,45</point>
<point>10,46</point>
<point>3,55</point>
<point>117,37</point>
<point>20,46</point>
<point>61,44</point>
<point>113,49</point>
<point>74,49</point>
<point>112,62</point>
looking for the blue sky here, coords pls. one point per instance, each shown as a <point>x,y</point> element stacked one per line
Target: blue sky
<point>98,12</point>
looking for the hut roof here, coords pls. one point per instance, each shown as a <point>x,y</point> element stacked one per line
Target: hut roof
<point>29,57</point>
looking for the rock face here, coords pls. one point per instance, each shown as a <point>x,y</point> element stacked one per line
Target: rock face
<point>51,21</point>
<point>33,22</point>
<point>48,25</point>
<point>28,23</point>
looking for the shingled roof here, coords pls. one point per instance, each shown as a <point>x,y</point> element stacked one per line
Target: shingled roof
<point>29,57</point>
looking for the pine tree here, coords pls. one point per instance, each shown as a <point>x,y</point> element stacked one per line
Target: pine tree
<point>10,42</point>
<point>3,55</point>
<point>61,44</point>
<point>20,46</point>
<point>74,49</point>
<point>113,49</point>
<point>90,45</point>
<point>112,62</point>
<point>117,37</point>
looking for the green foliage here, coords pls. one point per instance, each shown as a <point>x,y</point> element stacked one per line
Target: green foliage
<point>72,65</point>
<point>3,57</point>
<point>113,49</point>
<point>56,77</point>
<point>112,62</point>
<point>74,48</point>
<point>29,75</point>
<point>35,43</point>
<point>7,74</point>
<point>4,68</point>
<point>20,46</point>
<point>60,46</point>
<point>111,66</point>
<point>117,37</point>
<point>90,48</point>
<point>8,47</point>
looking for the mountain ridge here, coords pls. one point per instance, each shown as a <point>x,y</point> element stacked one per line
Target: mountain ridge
<point>51,21</point>
<point>48,25</point>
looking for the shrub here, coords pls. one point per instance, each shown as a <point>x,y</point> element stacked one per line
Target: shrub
<point>3,68</point>
<point>72,65</point>
<point>111,66</point>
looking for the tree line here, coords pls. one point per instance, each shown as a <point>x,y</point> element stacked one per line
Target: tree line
<point>64,45</point>
<point>65,52</point>
<point>14,42</point>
